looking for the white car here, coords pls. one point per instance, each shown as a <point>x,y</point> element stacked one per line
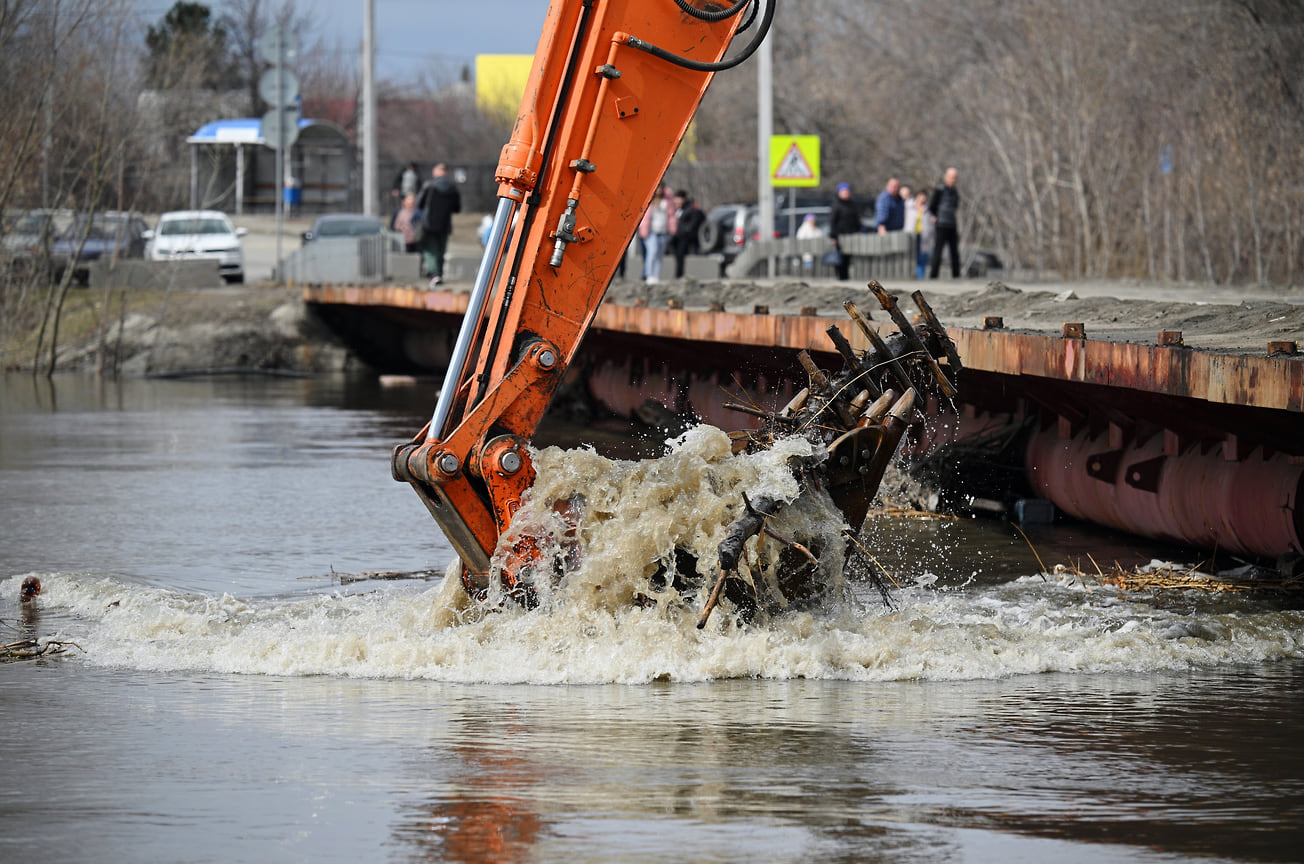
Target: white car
<point>199,235</point>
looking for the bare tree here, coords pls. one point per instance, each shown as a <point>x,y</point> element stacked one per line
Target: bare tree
<point>1094,137</point>
<point>246,22</point>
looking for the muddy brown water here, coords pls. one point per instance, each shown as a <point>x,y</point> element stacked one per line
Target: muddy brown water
<point>235,696</point>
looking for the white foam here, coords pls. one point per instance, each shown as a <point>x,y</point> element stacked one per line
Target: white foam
<point>588,631</point>
<point>399,632</point>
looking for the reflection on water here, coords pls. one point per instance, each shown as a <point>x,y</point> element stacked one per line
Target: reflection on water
<point>1054,768</point>
<point>809,770</point>
<point>236,704</point>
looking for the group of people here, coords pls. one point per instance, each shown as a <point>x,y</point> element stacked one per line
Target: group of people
<point>932,219</point>
<point>672,221</point>
<point>425,216</point>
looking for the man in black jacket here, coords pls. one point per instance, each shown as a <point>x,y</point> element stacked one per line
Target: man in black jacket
<point>844,219</point>
<point>689,219</point>
<point>945,206</point>
<point>437,201</point>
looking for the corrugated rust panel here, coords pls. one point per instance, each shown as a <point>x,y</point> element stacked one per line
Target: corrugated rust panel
<point>1267,382</point>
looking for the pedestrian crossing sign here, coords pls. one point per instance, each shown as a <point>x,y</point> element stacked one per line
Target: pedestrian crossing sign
<point>794,160</point>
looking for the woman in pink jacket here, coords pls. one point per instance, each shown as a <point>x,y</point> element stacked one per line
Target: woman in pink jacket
<point>656,229</point>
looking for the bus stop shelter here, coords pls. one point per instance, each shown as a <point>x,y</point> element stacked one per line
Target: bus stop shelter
<point>232,169</point>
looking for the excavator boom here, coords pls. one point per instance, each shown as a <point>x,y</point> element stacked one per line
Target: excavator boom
<point>613,88</point>
<point>610,96</point>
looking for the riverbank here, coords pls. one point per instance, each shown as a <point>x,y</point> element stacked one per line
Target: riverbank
<point>249,328</point>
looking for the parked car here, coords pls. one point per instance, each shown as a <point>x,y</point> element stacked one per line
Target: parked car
<point>339,226</point>
<point>199,235</point>
<point>788,219</point>
<point>724,232</point>
<point>107,235</point>
<point>27,232</point>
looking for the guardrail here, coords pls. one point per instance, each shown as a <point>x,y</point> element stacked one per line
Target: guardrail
<point>873,256</point>
<point>351,260</point>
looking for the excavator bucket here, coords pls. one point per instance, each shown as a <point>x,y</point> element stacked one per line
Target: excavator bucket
<point>856,419</point>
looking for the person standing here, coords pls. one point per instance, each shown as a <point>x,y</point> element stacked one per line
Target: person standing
<point>408,182</point>
<point>809,230</point>
<point>688,220</point>
<point>889,209</point>
<point>293,194</point>
<point>437,201</point>
<point>658,225</point>
<point>844,219</point>
<point>944,207</point>
<point>922,225</point>
<point>407,221</point>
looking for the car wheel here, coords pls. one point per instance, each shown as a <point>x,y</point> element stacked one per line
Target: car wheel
<point>708,236</point>
<point>234,279</point>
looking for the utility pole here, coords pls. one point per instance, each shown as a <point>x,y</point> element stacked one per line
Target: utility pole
<point>369,196</point>
<point>764,129</point>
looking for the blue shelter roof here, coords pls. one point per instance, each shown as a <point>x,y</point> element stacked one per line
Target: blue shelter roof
<point>240,130</point>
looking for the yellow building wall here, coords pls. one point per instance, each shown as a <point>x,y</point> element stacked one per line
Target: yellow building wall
<point>500,81</point>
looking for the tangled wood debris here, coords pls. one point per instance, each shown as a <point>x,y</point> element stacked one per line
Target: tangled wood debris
<point>855,417</point>
<point>1164,576</point>
<point>32,649</point>
<point>382,575</point>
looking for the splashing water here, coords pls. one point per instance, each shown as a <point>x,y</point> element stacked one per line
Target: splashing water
<point>634,515</point>
<point>589,630</point>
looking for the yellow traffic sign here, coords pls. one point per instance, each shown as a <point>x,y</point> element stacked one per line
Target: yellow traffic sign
<point>794,160</point>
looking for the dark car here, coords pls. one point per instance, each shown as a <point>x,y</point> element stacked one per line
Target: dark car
<point>724,232</point>
<point>788,219</point>
<point>344,226</point>
<point>100,235</point>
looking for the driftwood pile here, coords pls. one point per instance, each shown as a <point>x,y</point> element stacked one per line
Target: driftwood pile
<point>1176,577</point>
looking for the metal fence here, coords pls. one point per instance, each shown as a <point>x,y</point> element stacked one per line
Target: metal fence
<point>873,256</point>
<point>353,260</point>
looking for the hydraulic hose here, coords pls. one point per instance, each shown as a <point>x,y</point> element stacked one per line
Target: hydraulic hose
<point>697,65</point>
<point>712,17</point>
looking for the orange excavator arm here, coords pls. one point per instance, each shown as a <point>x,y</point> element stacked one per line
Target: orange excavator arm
<point>613,88</point>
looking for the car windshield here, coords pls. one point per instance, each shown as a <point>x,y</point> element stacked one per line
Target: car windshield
<point>174,227</point>
<point>102,227</point>
<point>348,228</point>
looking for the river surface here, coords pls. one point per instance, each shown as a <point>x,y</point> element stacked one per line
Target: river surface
<point>241,691</point>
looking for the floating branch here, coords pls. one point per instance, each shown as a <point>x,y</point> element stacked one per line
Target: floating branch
<point>32,649</point>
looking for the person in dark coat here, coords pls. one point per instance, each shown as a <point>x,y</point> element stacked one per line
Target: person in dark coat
<point>944,207</point>
<point>688,223</point>
<point>437,201</point>
<point>844,218</point>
